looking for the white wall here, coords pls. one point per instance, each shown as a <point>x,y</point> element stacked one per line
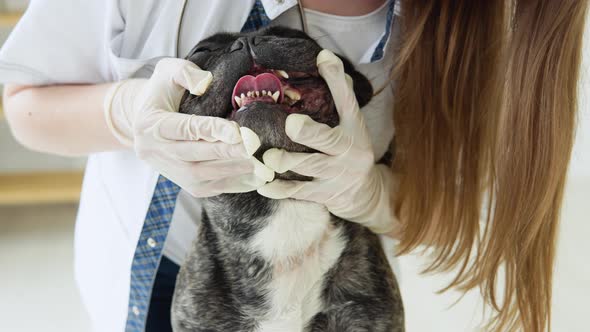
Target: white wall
<point>580,166</point>
<point>426,311</point>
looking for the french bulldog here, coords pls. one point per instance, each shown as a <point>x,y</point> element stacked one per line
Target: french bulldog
<point>259,264</point>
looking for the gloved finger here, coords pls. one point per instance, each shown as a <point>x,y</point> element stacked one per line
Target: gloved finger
<point>184,127</point>
<point>331,68</point>
<point>242,166</point>
<point>214,177</point>
<point>203,151</point>
<point>217,169</point>
<point>349,82</point>
<point>319,136</point>
<point>262,171</point>
<point>250,139</point>
<point>316,165</point>
<point>234,184</point>
<point>185,74</point>
<point>313,191</point>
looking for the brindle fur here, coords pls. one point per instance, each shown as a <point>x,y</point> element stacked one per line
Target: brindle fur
<point>220,287</point>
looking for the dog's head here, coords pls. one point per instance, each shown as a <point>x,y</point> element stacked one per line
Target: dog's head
<point>260,78</point>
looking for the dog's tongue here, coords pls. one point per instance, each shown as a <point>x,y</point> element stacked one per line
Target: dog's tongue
<point>263,87</point>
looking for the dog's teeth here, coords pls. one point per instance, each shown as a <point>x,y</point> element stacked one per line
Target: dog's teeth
<point>293,94</point>
<point>275,96</point>
<point>257,93</point>
<point>238,101</point>
<point>264,92</point>
<point>243,96</point>
<point>282,73</point>
<point>249,94</point>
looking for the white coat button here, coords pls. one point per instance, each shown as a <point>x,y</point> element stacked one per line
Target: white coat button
<point>135,310</point>
<point>152,243</point>
<point>280,2</point>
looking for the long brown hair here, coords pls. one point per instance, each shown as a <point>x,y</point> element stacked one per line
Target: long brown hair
<point>485,110</point>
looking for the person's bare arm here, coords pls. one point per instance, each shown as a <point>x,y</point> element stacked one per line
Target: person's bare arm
<point>64,119</point>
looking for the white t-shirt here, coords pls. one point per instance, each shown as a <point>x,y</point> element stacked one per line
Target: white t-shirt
<point>354,37</point>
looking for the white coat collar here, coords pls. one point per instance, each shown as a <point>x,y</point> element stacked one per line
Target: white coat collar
<point>274,8</point>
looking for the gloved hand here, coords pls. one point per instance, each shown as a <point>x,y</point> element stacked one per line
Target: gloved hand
<point>346,179</point>
<point>205,156</point>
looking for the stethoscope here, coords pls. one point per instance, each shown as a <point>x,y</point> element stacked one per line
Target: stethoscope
<point>302,16</point>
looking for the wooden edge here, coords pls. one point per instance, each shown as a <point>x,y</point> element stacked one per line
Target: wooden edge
<point>40,188</point>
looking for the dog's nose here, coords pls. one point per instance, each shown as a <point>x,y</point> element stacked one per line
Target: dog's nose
<point>239,44</point>
<point>246,44</point>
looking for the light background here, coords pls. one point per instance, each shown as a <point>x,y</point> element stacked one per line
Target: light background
<point>37,290</point>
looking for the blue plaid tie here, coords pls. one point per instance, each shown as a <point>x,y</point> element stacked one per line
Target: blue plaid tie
<point>157,222</point>
<point>149,248</point>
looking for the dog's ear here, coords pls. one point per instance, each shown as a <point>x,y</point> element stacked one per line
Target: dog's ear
<point>362,87</point>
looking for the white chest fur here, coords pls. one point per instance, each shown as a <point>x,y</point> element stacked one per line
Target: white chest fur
<point>302,245</point>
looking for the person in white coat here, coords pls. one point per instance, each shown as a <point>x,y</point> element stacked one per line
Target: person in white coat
<point>102,78</point>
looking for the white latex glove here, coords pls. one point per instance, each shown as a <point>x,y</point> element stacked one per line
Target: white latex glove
<point>205,156</point>
<point>346,179</point>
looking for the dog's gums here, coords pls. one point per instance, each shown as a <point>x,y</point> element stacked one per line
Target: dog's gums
<point>293,92</point>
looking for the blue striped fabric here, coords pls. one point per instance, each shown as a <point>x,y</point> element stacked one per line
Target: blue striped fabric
<point>148,252</point>
<point>256,19</point>
<point>380,49</point>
